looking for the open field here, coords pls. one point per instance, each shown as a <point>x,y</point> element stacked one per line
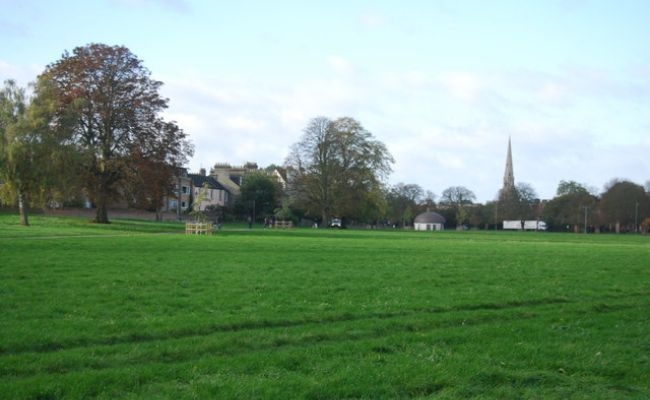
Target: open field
<point>122,311</point>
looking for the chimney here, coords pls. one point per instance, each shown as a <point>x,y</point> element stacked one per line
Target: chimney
<point>202,172</point>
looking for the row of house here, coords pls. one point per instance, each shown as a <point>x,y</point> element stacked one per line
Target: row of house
<point>188,186</point>
<point>221,187</point>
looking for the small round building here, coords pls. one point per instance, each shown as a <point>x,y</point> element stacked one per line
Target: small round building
<point>429,221</point>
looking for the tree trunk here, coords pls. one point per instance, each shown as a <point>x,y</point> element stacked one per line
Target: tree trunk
<point>103,194</point>
<point>23,206</point>
<point>102,212</point>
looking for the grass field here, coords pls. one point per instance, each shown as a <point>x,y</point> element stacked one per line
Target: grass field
<point>138,310</point>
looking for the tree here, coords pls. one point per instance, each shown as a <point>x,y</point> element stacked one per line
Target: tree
<point>334,166</point>
<point>154,163</point>
<point>16,150</point>
<point>25,153</point>
<point>570,187</point>
<point>490,215</point>
<point>259,195</point>
<point>518,202</point>
<point>528,201</point>
<point>403,200</point>
<point>624,205</point>
<point>429,201</point>
<point>508,204</point>
<point>202,195</point>
<point>568,207</point>
<point>107,105</point>
<point>457,198</point>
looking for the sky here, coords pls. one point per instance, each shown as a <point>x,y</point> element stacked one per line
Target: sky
<point>443,84</point>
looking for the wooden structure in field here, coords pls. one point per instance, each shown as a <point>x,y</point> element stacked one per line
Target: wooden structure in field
<point>283,224</point>
<point>198,228</point>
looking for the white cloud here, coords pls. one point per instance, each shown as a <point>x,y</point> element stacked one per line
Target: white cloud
<point>443,128</point>
<point>240,123</point>
<point>22,75</point>
<point>372,19</point>
<point>339,64</point>
<point>173,5</point>
<point>553,93</point>
<point>462,85</point>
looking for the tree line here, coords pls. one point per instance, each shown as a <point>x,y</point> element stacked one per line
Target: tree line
<point>623,206</point>
<point>92,128</point>
<point>337,169</point>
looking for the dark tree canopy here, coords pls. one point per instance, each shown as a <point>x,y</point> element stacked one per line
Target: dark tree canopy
<point>571,187</point>
<point>403,200</point>
<point>260,196</point>
<point>624,204</point>
<point>457,198</point>
<point>567,209</point>
<point>518,202</point>
<point>107,105</point>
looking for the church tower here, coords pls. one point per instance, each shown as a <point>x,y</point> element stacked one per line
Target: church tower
<point>508,176</point>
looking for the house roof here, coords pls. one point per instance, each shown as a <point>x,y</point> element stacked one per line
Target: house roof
<point>430,217</point>
<point>198,180</point>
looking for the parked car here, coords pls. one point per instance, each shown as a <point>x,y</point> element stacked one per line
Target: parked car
<point>336,223</point>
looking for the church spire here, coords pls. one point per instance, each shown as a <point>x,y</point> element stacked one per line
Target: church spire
<point>508,176</point>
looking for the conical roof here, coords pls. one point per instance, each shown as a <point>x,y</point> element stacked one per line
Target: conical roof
<point>509,176</point>
<point>430,217</point>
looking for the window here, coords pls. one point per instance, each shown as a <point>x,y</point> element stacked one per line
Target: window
<point>185,190</point>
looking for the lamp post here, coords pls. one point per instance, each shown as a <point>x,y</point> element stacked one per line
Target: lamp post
<point>636,214</point>
<point>586,208</point>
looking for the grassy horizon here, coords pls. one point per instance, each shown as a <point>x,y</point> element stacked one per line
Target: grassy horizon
<point>121,311</point>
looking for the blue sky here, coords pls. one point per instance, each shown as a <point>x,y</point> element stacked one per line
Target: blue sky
<point>443,84</point>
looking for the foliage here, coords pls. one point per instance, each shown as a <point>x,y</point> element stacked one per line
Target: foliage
<point>518,202</point>
<point>284,213</point>
<point>372,206</point>
<point>623,203</point>
<point>568,207</point>
<point>259,195</point>
<point>403,201</point>
<point>196,213</point>
<point>334,167</point>
<point>481,216</point>
<point>320,314</point>
<point>155,162</point>
<point>28,157</point>
<point>457,198</point>
<point>108,107</point>
<point>571,188</point>
<point>16,151</point>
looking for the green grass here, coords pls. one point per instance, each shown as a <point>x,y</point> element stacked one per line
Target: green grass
<point>118,311</point>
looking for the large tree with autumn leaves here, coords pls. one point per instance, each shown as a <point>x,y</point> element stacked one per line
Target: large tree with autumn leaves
<point>106,104</point>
